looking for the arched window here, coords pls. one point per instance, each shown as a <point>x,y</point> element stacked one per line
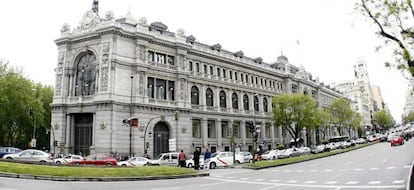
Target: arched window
<point>209,97</point>
<point>194,95</point>
<point>85,75</point>
<point>246,102</point>
<point>256,103</point>
<point>223,99</point>
<point>234,101</point>
<point>265,105</point>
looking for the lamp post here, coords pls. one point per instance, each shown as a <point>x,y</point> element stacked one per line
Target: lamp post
<point>130,115</point>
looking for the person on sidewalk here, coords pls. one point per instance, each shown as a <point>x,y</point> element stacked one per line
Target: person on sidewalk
<point>196,159</point>
<point>181,159</point>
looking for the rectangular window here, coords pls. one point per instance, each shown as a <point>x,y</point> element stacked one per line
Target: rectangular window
<point>170,59</point>
<point>231,75</point>
<point>211,129</point>
<point>252,79</point>
<point>205,69</point>
<point>150,56</point>
<point>236,130</point>
<point>211,70</point>
<point>267,130</point>
<point>224,73</point>
<point>161,89</point>
<point>160,57</point>
<point>235,75</point>
<point>197,67</point>
<point>225,130</point>
<point>218,72</point>
<point>196,128</point>
<point>190,65</point>
<point>242,78</point>
<point>150,87</point>
<point>171,90</point>
<point>247,129</point>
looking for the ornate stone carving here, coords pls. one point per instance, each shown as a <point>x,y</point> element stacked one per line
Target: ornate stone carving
<point>181,32</point>
<point>141,83</point>
<point>143,22</point>
<point>88,23</point>
<point>104,79</point>
<point>181,61</point>
<point>65,29</point>
<point>141,53</point>
<point>182,91</point>
<point>61,57</point>
<point>109,16</point>
<point>58,85</point>
<point>105,47</point>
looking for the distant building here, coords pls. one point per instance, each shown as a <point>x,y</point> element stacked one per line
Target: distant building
<point>409,99</point>
<point>365,98</point>
<point>185,94</point>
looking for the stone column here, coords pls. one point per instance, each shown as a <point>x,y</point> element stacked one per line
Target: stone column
<point>68,136</point>
<point>218,132</point>
<point>204,131</point>
<point>243,132</point>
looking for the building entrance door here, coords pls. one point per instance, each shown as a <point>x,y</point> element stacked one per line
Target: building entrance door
<point>161,136</point>
<point>83,133</point>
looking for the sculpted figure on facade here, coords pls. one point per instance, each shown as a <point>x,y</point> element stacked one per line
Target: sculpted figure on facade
<point>143,22</point>
<point>181,32</point>
<point>65,29</point>
<point>88,23</point>
<point>61,57</point>
<point>141,83</point>
<point>58,84</point>
<point>109,16</point>
<point>104,79</point>
<point>141,53</point>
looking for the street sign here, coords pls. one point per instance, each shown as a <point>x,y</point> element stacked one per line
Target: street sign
<point>33,143</point>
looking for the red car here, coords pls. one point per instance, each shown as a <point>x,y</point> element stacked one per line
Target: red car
<point>397,140</point>
<point>96,159</point>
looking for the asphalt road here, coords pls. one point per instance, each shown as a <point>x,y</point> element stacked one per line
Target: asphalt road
<point>379,166</point>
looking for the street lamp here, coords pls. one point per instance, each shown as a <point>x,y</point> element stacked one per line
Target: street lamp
<point>130,127</point>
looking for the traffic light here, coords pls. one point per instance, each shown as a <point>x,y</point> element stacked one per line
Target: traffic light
<point>55,143</point>
<point>30,112</point>
<point>256,135</point>
<point>235,130</point>
<point>251,128</point>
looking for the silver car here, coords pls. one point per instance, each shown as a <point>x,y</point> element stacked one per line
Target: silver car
<point>30,155</point>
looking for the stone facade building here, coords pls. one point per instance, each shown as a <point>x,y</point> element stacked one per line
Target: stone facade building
<point>185,94</point>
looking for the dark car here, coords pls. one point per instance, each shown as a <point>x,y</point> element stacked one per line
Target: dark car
<point>8,150</point>
<point>96,159</point>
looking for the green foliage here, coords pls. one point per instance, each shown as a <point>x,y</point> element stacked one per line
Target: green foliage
<point>409,118</point>
<point>92,171</point>
<point>341,113</point>
<point>17,95</point>
<point>383,118</point>
<point>280,147</point>
<point>294,112</point>
<point>325,142</point>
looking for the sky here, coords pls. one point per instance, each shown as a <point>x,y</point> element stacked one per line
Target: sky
<point>327,37</point>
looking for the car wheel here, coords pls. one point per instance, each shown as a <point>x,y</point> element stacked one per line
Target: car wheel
<point>77,163</point>
<point>123,165</point>
<point>9,158</point>
<point>237,162</point>
<point>42,161</point>
<point>189,165</point>
<point>58,162</point>
<point>274,158</point>
<point>212,165</point>
<point>108,164</point>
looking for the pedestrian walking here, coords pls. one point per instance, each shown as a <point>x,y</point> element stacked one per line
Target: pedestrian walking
<point>181,159</point>
<point>196,159</point>
<point>207,154</point>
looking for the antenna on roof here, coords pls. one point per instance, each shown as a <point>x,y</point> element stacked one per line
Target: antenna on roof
<point>95,6</point>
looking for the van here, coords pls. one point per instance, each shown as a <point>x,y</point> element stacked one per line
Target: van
<point>169,159</point>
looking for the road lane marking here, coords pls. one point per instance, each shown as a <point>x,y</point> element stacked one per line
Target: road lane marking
<point>244,178</point>
<point>314,171</point>
<point>389,168</point>
<point>330,182</point>
<point>211,184</point>
<point>385,160</point>
<point>271,187</point>
<point>407,166</point>
<point>286,170</point>
<point>374,182</point>
<point>309,182</point>
<point>230,177</point>
<point>259,179</point>
<point>327,170</point>
<point>292,181</point>
<point>274,180</point>
<point>299,170</point>
<point>373,169</point>
<point>358,169</point>
<point>352,182</point>
<point>397,186</point>
<point>275,170</point>
<point>398,181</point>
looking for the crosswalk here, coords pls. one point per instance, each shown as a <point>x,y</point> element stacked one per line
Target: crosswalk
<point>339,170</point>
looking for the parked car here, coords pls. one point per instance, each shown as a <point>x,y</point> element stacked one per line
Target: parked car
<point>304,150</point>
<point>246,156</point>
<point>270,155</point>
<point>170,158</point>
<point>397,140</point>
<point>318,149</point>
<point>219,159</point>
<point>96,159</point>
<point>8,150</point>
<point>68,159</point>
<point>189,163</point>
<point>134,161</point>
<point>383,138</point>
<point>30,155</point>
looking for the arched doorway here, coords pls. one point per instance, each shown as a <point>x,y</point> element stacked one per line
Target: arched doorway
<point>161,136</point>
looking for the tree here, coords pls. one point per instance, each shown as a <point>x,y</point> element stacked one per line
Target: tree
<point>383,119</point>
<point>325,120</point>
<point>393,20</point>
<point>341,114</point>
<point>355,123</point>
<point>17,96</point>
<point>409,118</point>
<point>294,112</point>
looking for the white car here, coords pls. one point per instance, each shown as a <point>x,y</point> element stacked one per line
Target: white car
<point>270,155</point>
<point>134,161</point>
<point>30,155</point>
<point>189,163</point>
<point>68,159</point>
<point>219,159</point>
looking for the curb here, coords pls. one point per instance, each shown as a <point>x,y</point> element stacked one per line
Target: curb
<point>103,179</point>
